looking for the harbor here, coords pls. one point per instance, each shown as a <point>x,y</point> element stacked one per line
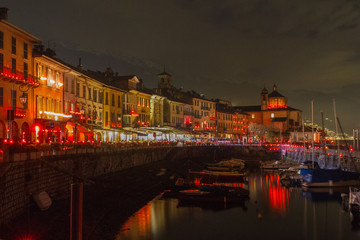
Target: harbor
<point>272,211</point>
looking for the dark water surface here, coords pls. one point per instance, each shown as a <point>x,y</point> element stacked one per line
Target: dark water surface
<point>287,213</point>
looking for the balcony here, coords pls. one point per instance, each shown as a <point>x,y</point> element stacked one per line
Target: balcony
<point>20,112</point>
<point>18,77</point>
<point>197,116</point>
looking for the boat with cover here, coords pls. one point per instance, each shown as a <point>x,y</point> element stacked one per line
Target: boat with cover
<point>330,178</point>
<point>210,177</point>
<point>276,165</point>
<point>214,194</point>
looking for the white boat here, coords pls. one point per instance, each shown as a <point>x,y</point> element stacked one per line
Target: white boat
<point>276,165</point>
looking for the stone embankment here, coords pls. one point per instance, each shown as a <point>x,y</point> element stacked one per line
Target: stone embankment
<point>116,185</point>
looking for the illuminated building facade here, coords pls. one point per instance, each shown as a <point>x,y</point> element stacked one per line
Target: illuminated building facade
<point>204,115</point>
<point>49,99</point>
<point>143,107</point>
<point>17,82</point>
<point>173,113</point>
<point>157,110</point>
<point>274,111</point>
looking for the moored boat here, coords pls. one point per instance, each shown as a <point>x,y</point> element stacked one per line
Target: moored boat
<point>213,194</point>
<point>330,178</point>
<point>210,177</point>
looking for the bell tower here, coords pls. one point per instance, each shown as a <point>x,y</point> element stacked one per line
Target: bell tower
<point>164,80</point>
<point>264,99</point>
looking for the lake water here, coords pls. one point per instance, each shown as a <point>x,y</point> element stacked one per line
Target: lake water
<point>272,212</point>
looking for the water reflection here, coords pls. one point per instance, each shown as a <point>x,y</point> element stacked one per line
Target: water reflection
<point>287,213</point>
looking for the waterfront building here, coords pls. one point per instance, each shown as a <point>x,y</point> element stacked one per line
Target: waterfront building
<point>157,110</point>
<point>240,125</point>
<point>49,118</point>
<point>143,106</point>
<point>273,112</point>
<point>188,110</point>
<point>113,104</point>
<point>224,119</point>
<point>173,113</point>
<point>17,81</point>
<point>204,116</point>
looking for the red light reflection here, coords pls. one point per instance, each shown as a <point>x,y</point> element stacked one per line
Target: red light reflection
<point>278,195</point>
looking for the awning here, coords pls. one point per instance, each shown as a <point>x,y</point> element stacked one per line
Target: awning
<point>79,128</point>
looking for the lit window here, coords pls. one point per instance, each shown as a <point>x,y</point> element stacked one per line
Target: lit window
<point>253,115</point>
<point>272,115</point>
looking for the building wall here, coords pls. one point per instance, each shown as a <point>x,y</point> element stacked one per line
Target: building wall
<point>130,111</point>
<point>49,99</point>
<point>143,108</point>
<point>13,77</point>
<point>157,111</point>
<point>204,114</point>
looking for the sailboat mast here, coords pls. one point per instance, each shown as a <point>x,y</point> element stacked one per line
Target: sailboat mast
<point>303,130</point>
<point>336,133</point>
<point>312,132</point>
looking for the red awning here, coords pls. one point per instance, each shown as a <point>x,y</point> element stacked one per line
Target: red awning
<point>80,128</point>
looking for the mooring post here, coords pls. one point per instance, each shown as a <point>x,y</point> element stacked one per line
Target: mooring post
<point>76,211</point>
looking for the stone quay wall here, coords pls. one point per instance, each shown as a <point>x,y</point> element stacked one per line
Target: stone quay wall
<point>19,180</point>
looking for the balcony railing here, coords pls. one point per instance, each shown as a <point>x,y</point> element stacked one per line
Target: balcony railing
<point>20,112</point>
<point>205,108</point>
<point>18,77</point>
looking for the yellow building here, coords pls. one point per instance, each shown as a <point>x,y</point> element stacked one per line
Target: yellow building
<point>16,80</point>
<point>83,99</point>
<point>49,117</point>
<point>157,110</point>
<point>113,104</point>
<point>174,113</point>
<point>130,111</point>
<point>204,116</point>
<point>143,107</point>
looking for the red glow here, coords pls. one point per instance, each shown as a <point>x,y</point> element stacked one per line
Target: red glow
<point>278,196</point>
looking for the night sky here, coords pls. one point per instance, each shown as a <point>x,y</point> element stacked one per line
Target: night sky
<point>227,49</point>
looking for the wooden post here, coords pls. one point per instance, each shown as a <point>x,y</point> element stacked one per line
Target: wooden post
<point>76,211</point>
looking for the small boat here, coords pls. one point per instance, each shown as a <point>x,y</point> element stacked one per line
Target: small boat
<point>330,178</point>
<point>213,194</point>
<point>227,165</point>
<point>276,165</point>
<point>210,177</point>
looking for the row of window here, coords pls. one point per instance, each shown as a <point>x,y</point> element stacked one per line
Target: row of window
<point>47,104</point>
<point>13,45</point>
<point>205,104</point>
<point>178,108</point>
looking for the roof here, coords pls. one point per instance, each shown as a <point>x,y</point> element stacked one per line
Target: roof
<point>124,77</point>
<point>164,73</point>
<point>256,108</point>
<point>28,35</point>
<point>275,94</point>
<point>223,108</point>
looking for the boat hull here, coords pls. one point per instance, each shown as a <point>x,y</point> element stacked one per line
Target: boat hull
<point>330,178</point>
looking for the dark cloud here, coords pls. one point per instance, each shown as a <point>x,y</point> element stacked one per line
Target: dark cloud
<point>220,48</point>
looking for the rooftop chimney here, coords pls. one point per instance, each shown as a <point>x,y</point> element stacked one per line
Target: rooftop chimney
<point>4,13</point>
<point>80,65</point>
